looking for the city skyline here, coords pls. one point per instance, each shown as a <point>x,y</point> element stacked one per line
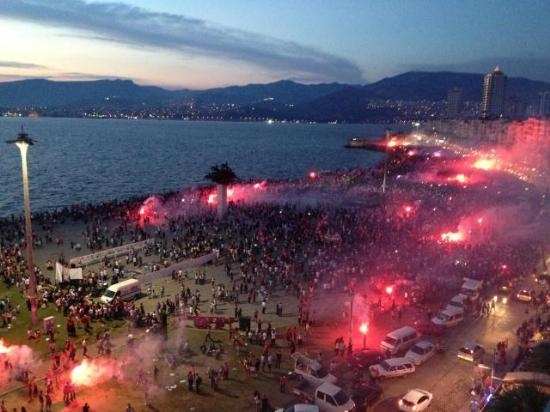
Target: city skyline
<point>207,44</point>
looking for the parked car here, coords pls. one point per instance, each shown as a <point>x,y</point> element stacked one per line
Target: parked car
<point>543,277</point>
<point>471,352</point>
<point>459,301</point>
<point>365,396</point>
<point>524,295</point>
<point>392,368</point>
<point>415,400</point>
<point>504,292</point>
<point>421,352</point>
<point>311,370</point>
<point>300,407</point>
<point>365,358</point>
<point>327,396</point>
<point>428,328</point>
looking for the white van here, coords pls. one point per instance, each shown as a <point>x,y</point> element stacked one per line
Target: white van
<point>471,288</point>
<point>459,301</point>
<point>399,340</point>
<point>125,290</point>
<point>449,317</point>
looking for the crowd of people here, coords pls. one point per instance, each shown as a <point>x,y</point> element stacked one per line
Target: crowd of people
<point>288,243</point>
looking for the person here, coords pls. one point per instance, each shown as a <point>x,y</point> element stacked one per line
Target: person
<point>48,402</point>
<point>146,396</point>
<point>41,400</point>
<point>130,408</point>
<point>86,407</point>
<point>85,347</point>
<point>257,401</point>
<point>332,366</point>
<point>264,403</point>
<point>198,381</point>
<point>190,379</point>
<point>282,383</point>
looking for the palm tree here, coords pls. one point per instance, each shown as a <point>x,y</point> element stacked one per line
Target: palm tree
<point>524,398</point>
<point>222,175</point>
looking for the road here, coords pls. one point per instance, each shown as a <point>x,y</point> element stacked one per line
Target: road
<point>449,378</point>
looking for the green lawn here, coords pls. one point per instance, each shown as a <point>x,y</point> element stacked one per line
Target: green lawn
<point>169,393</point>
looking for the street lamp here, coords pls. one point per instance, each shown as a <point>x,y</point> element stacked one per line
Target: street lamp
<point>385,161</point>
<point>351,293</point>
<point>23,142</point>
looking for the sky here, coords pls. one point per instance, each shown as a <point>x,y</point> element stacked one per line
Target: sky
<point>200,44</point>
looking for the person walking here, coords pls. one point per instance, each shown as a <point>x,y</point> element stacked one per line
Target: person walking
<point>48,402</point>
<point>282,383</point>
<point>84,348</point>
<point>257,401</point>
<point>198,381</point>
<point>190,380</point>
<point>41,400</point>
<point>146,397</point>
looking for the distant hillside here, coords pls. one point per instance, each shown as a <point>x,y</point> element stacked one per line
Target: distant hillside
<point>45,93</point>
<point>415,86</point>
<point>389,99</point>
<point>434,86</point>
<point>283,92</point>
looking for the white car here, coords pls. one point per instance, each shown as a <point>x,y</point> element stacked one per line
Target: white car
<point>420,352</point>
<point>471,352</point>
<point>415,400</point>
<point>300,407</point>
<point>392,368</point>
<point>524,295</point>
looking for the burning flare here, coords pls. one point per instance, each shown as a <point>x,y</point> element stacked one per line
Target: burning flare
<point>90,373</point>
<point>452,237</point>
<point>485,164</point>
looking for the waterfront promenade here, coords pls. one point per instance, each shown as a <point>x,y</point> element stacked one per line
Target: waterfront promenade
<point>312,259</point>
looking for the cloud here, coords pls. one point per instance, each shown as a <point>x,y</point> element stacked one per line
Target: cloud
<point>87,76</point>
<point>64,76</point>
<point>21,65</point>
<point>140,27</point>
<point>530,67</point>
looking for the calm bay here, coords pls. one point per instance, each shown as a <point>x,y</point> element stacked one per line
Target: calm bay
<point>89,160</point>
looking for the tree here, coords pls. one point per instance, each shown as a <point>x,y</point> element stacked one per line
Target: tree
<point>524,398</point>
<point>222,175</point>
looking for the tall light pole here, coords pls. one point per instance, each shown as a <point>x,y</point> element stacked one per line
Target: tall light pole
<point>385,161</point>
<point>23,142</point>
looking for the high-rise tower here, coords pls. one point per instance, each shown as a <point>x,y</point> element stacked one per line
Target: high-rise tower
<point>494,90</point>
<point>454,103</point>
<point>544,108</point>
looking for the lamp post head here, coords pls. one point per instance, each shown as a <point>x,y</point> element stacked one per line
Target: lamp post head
<point>23,139</point>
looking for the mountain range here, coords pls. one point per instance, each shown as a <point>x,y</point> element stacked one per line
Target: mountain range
<point>284,100</point>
